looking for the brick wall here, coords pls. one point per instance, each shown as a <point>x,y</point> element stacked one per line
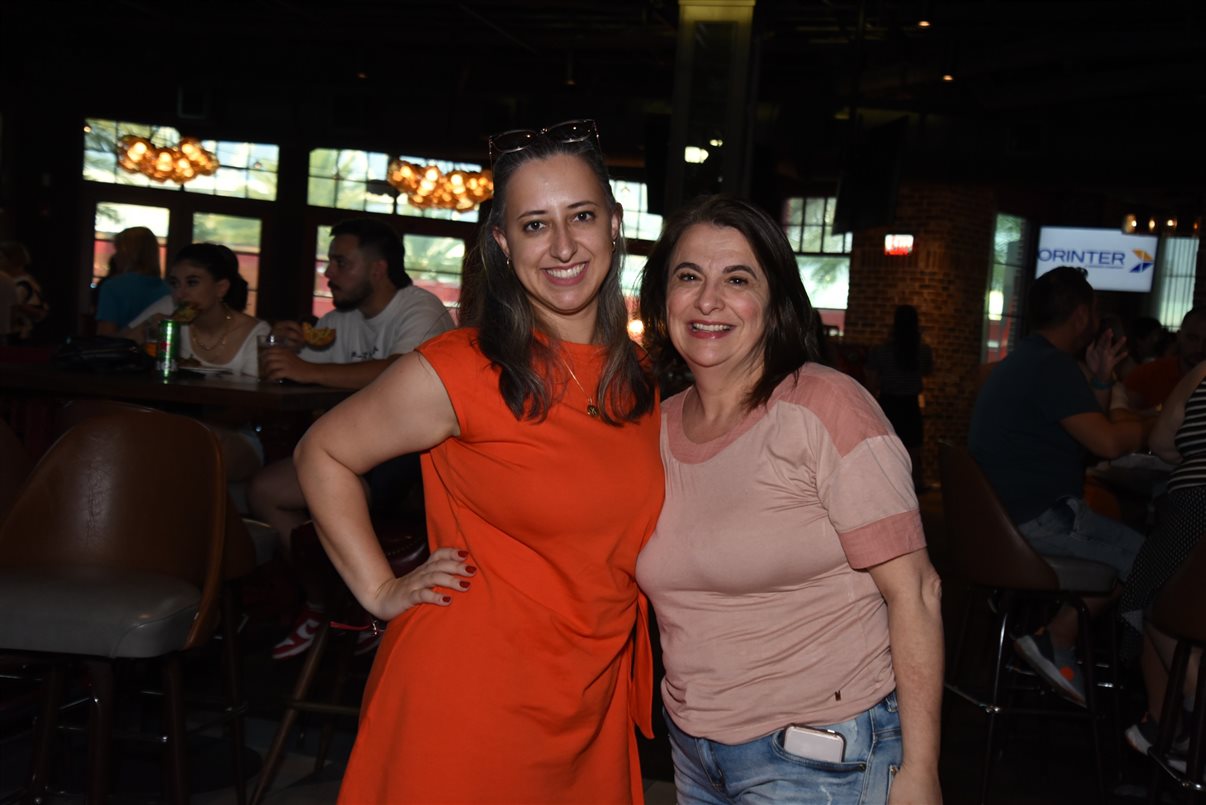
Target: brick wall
<point>945,278</point>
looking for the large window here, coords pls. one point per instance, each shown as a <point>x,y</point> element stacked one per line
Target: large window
<point>823,257</point>
<point>247,170</point>
<point>639,223</point>
<point>1002,318</point>
<point>355,180</point>
<point>1176,270</point>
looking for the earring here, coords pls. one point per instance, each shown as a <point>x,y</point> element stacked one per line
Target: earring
<point>613,243</point>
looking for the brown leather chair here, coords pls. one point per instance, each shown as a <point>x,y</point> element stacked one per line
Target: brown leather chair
<point>15,466</point>
<point>991,555</point>
<point>114,550</point>
<point>241,554</point>
<point>1180,611</point>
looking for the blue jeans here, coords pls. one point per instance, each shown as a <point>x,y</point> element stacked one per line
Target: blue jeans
<point>760,771</point>
<point>1071,528</point>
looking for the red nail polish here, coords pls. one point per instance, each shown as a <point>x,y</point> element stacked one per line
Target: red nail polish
<point>463,554</point>
<point>464,585</point>
<point>470,569</point>
<point>447,599</point>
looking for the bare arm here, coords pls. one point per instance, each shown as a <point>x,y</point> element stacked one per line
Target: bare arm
<point>1173,414</point>
<point>913,592</point>
<point>1105,438</point>
<point>282,364</point>
<point>406,411</point>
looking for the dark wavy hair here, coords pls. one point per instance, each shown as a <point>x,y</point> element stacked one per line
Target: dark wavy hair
<point>789,337</point>
<point>221,264</point>
<point>532,374</point>
<point>379,240</point>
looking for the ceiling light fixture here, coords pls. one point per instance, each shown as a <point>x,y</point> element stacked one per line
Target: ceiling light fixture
<point>178,163</point>
<point>431,187</point>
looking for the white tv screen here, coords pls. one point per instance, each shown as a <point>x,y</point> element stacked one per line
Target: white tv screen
<point>1115,261</point>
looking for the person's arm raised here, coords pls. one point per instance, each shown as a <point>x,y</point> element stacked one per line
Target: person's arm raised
<point>406,411</point>
<point>1101,437</point>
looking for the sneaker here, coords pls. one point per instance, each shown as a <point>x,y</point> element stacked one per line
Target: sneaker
<point>367,642</point>
<point>1142,737</point>
<point>1056,666</point>
<point>301,636</point>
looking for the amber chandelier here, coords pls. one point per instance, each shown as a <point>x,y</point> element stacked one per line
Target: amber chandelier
<point>431,187</point>
<point>179,163</point>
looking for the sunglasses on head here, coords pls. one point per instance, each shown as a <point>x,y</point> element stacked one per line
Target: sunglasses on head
<point>570,131</point>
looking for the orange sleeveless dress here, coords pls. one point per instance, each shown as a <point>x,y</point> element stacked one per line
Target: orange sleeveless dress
<point>525,689</point>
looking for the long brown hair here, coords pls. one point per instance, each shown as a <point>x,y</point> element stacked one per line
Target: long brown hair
<point>530,367</point>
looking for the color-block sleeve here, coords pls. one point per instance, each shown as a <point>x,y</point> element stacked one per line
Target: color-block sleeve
<point>864,480</point>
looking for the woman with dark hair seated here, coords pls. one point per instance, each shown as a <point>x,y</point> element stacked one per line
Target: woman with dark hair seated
<point>208,298</point>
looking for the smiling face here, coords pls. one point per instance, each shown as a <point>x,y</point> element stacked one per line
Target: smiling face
<point>193,285</point>
<point>558,232</point>
<point>716,299</point>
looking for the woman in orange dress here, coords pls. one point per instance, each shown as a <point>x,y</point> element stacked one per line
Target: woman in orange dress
<point>516,659</point>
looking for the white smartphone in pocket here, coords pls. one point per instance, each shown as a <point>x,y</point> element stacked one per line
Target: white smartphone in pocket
<point>815,744</point>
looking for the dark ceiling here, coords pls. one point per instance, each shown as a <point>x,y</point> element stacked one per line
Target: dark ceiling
<point>1042,88</point>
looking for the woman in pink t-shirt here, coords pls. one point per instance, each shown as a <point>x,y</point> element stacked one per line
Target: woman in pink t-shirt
<point>799,614</point>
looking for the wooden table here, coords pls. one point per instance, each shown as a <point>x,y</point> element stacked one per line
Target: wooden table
<point>280,411</point>
<point>202,390</point>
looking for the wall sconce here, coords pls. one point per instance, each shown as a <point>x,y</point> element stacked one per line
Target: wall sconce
<point>1130,224</point>
<point>898,245</point>
<point>179,163</point>
<point>430,187</point>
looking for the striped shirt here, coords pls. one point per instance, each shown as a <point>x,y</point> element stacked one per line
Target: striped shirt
<point>1191,443</point>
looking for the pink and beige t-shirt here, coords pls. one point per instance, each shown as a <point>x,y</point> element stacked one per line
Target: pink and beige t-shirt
<point>756,570</point>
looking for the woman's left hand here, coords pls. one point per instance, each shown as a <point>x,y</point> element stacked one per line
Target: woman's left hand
<point>919,788</point>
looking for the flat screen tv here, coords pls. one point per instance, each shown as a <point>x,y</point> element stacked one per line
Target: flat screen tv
<point>1115,261</point>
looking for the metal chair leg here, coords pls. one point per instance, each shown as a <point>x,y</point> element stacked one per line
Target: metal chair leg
<point>176,748</point>
<point>100,730</point>
<point>43,738</point>
<point>994,703</point>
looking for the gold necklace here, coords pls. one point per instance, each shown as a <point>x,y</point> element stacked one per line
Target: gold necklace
<point>221,341</point>
<point>591,408</point>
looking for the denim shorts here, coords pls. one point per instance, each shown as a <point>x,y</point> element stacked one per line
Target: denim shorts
<point>761,771</point>
<point>1071,528</point>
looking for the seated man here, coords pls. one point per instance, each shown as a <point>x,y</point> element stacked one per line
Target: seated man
<point>379,314</point>
<point>1148,385</point>
<point>1034,421</point>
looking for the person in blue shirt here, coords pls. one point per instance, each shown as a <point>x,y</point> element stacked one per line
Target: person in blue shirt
<point>1035,421</point>
<point>138,283</point>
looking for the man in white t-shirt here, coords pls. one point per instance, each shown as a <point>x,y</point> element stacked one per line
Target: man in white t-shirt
<point>379,315</point>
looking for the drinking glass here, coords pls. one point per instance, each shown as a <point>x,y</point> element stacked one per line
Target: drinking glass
<point>266,342</point>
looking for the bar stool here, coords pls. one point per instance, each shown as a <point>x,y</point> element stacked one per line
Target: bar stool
<point>995,559</point>
<point>404,540</point>
<point>101,561</point>
<point>1180,611</point>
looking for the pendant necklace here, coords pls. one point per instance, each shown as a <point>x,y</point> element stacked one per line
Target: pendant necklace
<point>221,341</point>
<point>591,408</point>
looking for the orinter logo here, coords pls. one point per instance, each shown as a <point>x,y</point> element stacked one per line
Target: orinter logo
<point>1146,261</point>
